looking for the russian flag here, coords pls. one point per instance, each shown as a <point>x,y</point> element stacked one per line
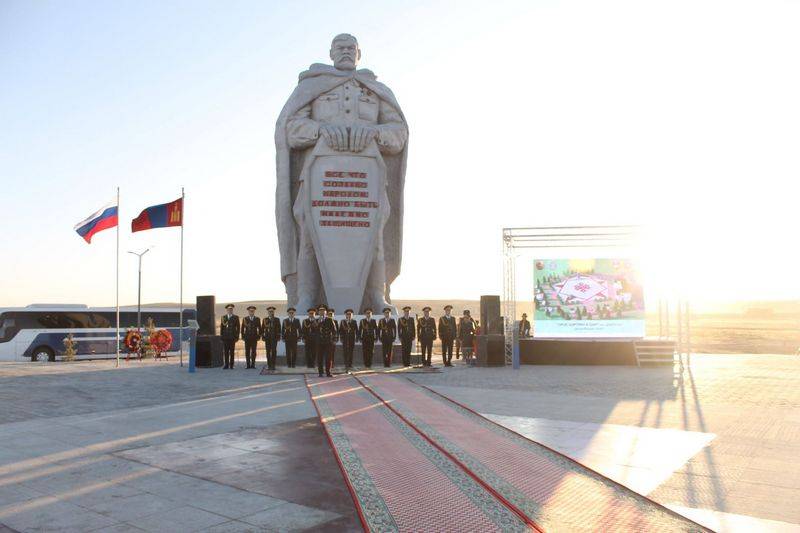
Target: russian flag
<point>104,218</point>
<point>159,216</point>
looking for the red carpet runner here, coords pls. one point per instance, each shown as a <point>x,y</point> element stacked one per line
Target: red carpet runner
<point>416,461</point>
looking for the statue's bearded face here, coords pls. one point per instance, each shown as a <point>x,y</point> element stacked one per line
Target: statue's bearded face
<point>345,53</point>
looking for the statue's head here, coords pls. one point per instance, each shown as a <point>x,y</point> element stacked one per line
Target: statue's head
<point>345,52</point>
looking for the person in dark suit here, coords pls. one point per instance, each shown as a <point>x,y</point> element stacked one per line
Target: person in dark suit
<point>524,327</point>
<point>388,333</point>
<point>407,331</point>
<point>348,332</point>
<point>310,334</point>
<point>290,332</point>
<point>271,331</point>
<point>447,334</point>
<point>229,329</point>
<point>426,333</point>
<point>367,333</point>
<point>251,331</point>
<point>328,333</point>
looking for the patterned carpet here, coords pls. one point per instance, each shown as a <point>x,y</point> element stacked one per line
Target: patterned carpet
<point>416,461</point>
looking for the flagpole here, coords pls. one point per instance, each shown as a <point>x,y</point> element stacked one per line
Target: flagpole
<point>180,311</point>
<point>118,220</point>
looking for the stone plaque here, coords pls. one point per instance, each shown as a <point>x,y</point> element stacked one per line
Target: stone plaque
<point>346,196</point>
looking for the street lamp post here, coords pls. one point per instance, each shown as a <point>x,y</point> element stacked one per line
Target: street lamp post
<point>139,300</point>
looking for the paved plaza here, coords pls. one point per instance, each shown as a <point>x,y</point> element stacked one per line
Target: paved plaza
<point>87,447</point>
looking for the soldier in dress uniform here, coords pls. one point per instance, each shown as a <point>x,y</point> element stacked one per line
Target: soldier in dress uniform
<point>348,332</point>
<point>271,331</point>
<point>310,334</point>
<point>447,333</point>
<point>328,333</point>
<point>290,332</point>
<point>251,331</point>
<point>524,327</point>
<point>407,331</point>
<point>229,331</point>
<point>388,333</point>
<point>367,332</point>
<point>426,333</point>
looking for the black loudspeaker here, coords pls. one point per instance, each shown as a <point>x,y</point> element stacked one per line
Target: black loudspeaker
<point>491,322</point>
<point>205,315</point>
<point>491,350</point>
<point>208,352</point>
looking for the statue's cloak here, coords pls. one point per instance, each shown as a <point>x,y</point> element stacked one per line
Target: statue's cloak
<point>314,82</point>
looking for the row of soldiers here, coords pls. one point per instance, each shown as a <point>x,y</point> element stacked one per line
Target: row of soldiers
<point>320,332</point>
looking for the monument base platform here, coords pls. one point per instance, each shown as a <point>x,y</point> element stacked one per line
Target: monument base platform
<point>577,352</point>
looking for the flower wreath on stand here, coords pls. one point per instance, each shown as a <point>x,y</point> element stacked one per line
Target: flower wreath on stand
<point>161,341</point>
<point>133,343</point>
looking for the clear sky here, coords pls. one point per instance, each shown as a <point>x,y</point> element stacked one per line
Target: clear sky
<point>681,115</point>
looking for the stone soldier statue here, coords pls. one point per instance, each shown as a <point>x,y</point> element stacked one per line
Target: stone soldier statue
<point>387,328</point>
<point>251,331</point>
<point>328,333</point>
<point>407,332</point>
<point>310,334</point>
<point>349,110</point>
<point>290,332</point>
<point>447,333</point>
<point>426,333</point>
<point>348,331</point>
<point>367,332</point>
<point>229,328</point>
<point>271,331</point>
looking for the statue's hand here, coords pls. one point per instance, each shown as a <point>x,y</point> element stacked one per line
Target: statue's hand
<point>360,136</point>
<point>335,136</point>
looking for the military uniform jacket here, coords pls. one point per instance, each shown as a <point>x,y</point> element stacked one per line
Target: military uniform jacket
<point>388,329</point>
<point>271,329</point>
<point>251,328</point>
<point>367,329</point>
<point>348,331</point>
<point>447,327</point>
<point>229,328</point>
<point>406,329</point>
<point>524,328</point>
<point>426,328</point>
<point>328,332</point>
<point>290,330</point>
<point>310,329</point>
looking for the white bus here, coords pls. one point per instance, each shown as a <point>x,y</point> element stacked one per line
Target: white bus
<point>37,332</point>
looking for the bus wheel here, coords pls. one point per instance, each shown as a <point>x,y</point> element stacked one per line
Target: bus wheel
<point>43,354</point>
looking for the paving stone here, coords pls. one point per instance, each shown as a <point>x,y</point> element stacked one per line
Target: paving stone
<point>184,518</point>
<point>290,517</point>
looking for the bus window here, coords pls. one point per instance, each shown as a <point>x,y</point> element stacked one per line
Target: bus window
<point>7,328</point>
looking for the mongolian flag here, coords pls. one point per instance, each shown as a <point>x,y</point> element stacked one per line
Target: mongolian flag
<point>159,216</point>
<point>104,218</point>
